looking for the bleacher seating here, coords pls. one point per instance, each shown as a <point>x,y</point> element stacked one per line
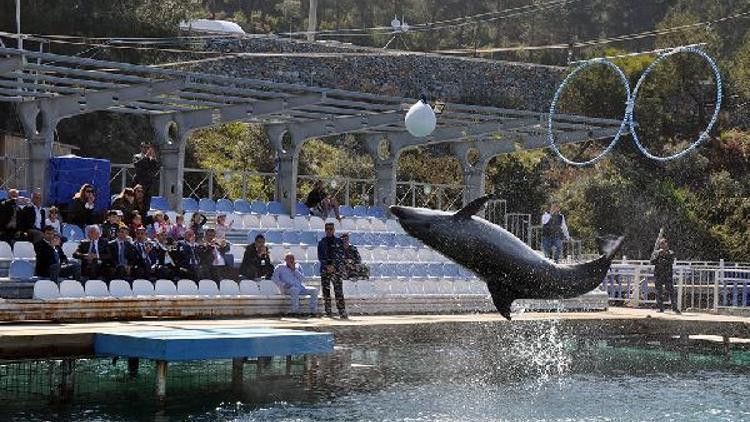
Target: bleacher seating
<point>159,203</point>
<point>206,205</point>
<point>21,269</point>
<point>242,207</point>
<point>224,205</point>
<point>189,205</point>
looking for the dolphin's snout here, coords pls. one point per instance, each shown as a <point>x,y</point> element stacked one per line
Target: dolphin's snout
<point>399,212</point>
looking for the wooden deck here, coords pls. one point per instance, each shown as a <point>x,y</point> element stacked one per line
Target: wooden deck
<point>45,339</point>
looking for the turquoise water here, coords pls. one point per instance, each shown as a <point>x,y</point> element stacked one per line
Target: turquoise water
<point>476,372</point>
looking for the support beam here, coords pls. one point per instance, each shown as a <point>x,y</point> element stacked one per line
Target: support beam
<point>161,379</point>
<point>386,164</point>
<point>172,155</point>
<point>342,125</point>
<point>287,146</point>
<point>474,173</point>
<point>39,128</point>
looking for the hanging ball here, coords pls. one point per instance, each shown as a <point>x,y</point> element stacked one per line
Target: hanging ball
<point>420,120</point>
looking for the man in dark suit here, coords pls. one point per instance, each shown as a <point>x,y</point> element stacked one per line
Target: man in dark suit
<point>215,260</point>
<point>51,262</point>
<point>12,223</point>
<point>145,257</point>
<point>122,256</point>
<point>93,253</point>
<point>32,217</point>
<point>188,257</point>
<point>165,266</point>
<point>146,171</point>
<point>256,262</point>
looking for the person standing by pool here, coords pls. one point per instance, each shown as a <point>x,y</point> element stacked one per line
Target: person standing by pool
<point>663,260</point>
<point>331,257</point>
<point>554,229</point>
<point>146,172</point>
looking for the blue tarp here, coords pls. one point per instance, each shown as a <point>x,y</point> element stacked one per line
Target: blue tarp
<point>68,172</point>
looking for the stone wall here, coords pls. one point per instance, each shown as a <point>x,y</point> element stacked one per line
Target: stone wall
<point>450,79</point>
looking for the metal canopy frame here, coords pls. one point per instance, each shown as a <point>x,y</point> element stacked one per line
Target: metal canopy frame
<point>48,88</point>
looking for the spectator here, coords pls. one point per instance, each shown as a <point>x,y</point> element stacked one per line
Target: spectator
<point>214,259</point>
<point>82,211</point>
<point>53,219</point>
<point>354,269</point>
<point>320,203</point>
<point>135,223</point>
<point>221,226</point>
<point>51,262</point>
<point>11,222</point>
<point>290,281</point>
<point>196,224</point>
<point>146,173</point>
<point>113,223</point>
<point>178,229</point>
<point>256,263</point>
<point>554,229</point>
<point>188,257</point>
<point>122,255</point>
<point>93,252</point>
<point>165,267</point>
<point>663,261</point>
<point>145,257</point>
<point>124,202</point>
<point>139,204</point>
<point>34,217</point>
<point>160,222</point>
<point>331,257</point>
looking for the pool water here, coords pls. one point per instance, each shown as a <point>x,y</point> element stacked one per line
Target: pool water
<point>530,371</point>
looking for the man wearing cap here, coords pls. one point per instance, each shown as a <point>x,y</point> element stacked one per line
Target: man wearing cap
<point>93,253</point>
<point>51,262</point>
<point>146,171</point>
<point>331,257</point>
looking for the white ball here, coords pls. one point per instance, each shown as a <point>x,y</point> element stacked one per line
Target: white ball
<point>420,120</point>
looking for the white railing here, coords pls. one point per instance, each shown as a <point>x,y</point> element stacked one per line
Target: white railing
<point>699,287</point>
<point>430,195</point>
<point>348,191</point>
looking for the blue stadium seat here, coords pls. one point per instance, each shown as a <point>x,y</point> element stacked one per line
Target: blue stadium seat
<point>224,205</point>
<point>309,269</point>
<point>420,271</point>
<point>291,237</point>
<point>309,238</point>
<point>451,270</point>
<point>3,194</point>
<point>403,240</point>
<point>21,269</point>
<point>206,205</point>
<point>23,193</point>
<point>243,207</point>
<point>275,207</point>
<point>435,270</point>
<point>359,211</point>
<point>369,239</point>
<point>376,212</point>
<point>302,209</point>
<point>72,232</point>
<point>159,203</point>
<point>259,207</point>
<point>405,270</point>
<point>346,211</point>
<point>251,236</point>
<point>274,236</point>
<point>388,239</point>
<point>189,205</point>
<point>376,270</point>
<point>356,239</point>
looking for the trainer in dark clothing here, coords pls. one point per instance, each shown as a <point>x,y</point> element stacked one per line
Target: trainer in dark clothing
<point>146,172</point>
<point>331,257</point>
<point>663,260</point>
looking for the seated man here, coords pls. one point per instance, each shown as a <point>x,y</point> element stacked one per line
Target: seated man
<point>289,278</point>
<point>122,256</point>
<point>256,263</point>
<point>188,258</point>
<point>354,269</point>
<point>320,204</point>
<point>51,262</point>
<point>34,216</point>
<point>114,222</point>
<point>12,221</point>
<point>93,253</point>
<point>165,267</point>
<point>215,263</point>
<point>145,256</point>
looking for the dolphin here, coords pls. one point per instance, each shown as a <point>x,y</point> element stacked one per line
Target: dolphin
<point>511,269</point>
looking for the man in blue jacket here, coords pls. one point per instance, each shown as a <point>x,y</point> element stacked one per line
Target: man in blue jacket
<point>331,257</point>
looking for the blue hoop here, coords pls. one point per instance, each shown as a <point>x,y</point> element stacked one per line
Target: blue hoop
<point>553,111</point>
<point>630,112</point>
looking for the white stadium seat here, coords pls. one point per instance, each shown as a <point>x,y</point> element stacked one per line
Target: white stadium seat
<point>284,222</point>
<point>229,288</point>
<point>120,288</point>
<point>366,288</point>
<point>363,224</point>
<point>300,253</point>
<point>250,221</point>
<point>249,287</point>
<point>445,287</point>
<point>350,288</point>
<point>24,250</point>
<point>348,224</point>
<point>399,287</point>
<point>301,223</point>
<point>392,225</point>
<point>5,251</point>
<point>96,288</point>
<point>365,254</point>
<point>268,221</point>
<point>238,251</point>
<point>316,223</point>
<point>186,288</point>
<point>46,289</point>
<point>277,253</point>
<point>165,288</point>
<point>207,288</point>
<point>68,248</point>
<point>378,225</point>
<point>415,287</point>
<point>268,288</point>
<point>143,288</point>
<point>71,288</point>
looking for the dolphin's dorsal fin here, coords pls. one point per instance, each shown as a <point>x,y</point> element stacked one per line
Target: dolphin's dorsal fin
<point>473,207</point>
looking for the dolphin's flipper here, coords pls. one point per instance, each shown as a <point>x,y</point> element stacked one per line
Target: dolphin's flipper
<point>500,299</point>
<point>473,207</point>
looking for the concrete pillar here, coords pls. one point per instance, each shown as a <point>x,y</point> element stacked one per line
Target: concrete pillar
<point>39,123</point>
<point>474,173</point>
<point>172,141</point>
<point>67,379</point>
<point>312,20</point>
<point>161,379</point>
<point>385,159</point>
<point>287,145</point>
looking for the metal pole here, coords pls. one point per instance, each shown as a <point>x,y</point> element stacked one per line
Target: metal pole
<point>18,24</point>
<point>312,20</point>
<point>211,184</point>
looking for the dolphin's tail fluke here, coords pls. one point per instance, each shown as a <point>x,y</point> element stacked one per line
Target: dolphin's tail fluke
<point>609,245</point>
